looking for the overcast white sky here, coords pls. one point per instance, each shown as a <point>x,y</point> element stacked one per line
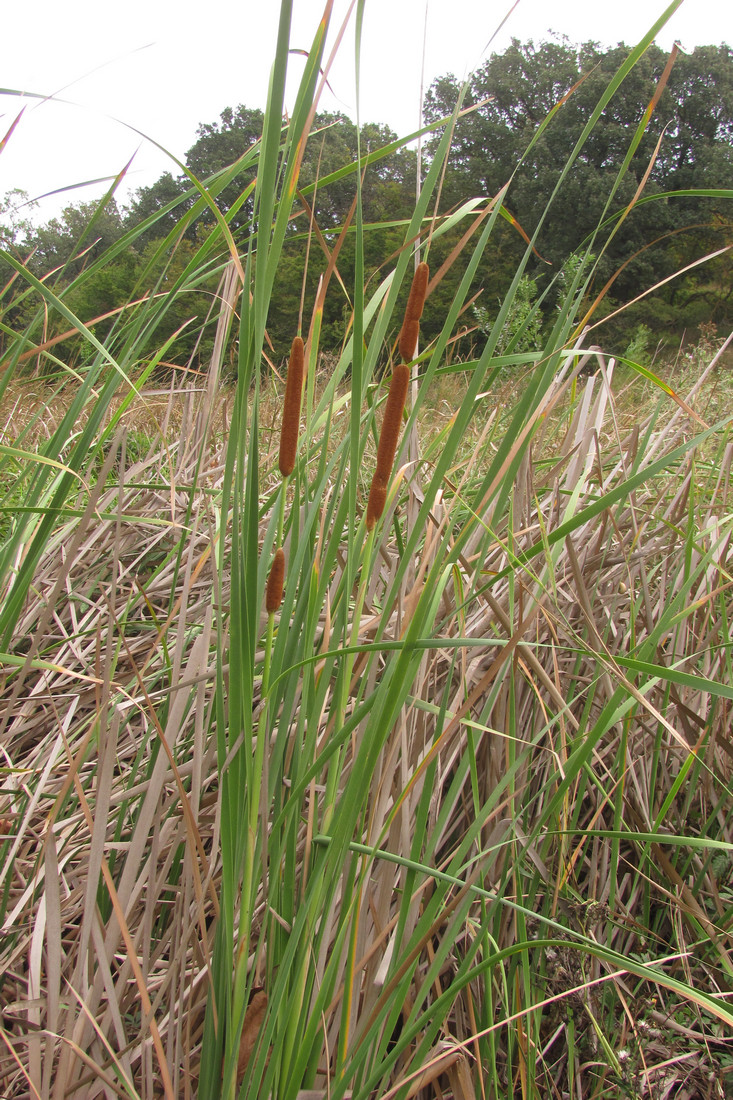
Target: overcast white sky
<point>164,66</point>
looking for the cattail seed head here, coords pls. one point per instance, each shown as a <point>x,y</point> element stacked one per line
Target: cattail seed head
<point>408,339</point>
<point>291,408</point>
<point>388,439</point>
<point>377,500</point>
<point>413,312</point>
<point>392,421</point>
<point>274,592</point>
<point>418,290</point>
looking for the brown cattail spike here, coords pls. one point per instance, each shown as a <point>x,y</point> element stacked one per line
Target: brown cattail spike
<point>392,418</point>
<point>413,312</point>
<point>377,501</point>
<point>274,593</point>
<point>408,339</point>
<point>253,1018</point>
<point>291,408</point>
<point>388,439</point>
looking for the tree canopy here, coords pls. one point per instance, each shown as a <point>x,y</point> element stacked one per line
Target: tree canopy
<point>501,137</point>
<point>686,145</point>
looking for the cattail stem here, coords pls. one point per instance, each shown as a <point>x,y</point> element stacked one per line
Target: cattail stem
<point>290,429</point>
<point>281,515</point>
<point>269,641</point>
<point>342,697</point>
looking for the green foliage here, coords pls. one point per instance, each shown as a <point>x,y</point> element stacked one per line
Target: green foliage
<point>163,203</point>
<point>512,94</point>
<point>14,226</point>
<point>638,348</point>
<point>522,330</point>
<point>685,146</point>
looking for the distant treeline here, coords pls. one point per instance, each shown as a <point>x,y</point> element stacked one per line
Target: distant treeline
<point>665,130</point>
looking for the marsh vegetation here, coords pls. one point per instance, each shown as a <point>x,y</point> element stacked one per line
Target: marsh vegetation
<point>448,813</point>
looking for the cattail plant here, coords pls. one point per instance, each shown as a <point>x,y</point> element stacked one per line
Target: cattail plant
<point>391,759</point>
<point>388,439</point>
<point>413,312</point>
<point>289,432</point>
<point>274,592</point>
<point>291,408</point>
<point>396,397</point>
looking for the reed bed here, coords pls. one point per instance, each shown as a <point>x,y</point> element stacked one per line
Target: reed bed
<point>497,788</point>
<point>305,797</point>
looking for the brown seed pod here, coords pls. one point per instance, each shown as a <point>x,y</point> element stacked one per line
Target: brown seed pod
<point>291,408</point>
<point>388,439</point>
<point>253,1018</point>
<point>392,422</point>
<point>408,340</point>
<point>274,592</point>
<point>413,312</point>
<point>377,500</point>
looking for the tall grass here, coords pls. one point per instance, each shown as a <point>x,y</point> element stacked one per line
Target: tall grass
<point>448,816</point>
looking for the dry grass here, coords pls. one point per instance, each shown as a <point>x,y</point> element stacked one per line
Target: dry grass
<point>31,411</point>
<point>110,795</point>
<point>104,756</point>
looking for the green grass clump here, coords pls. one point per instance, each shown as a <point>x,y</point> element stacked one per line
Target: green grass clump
<point>448,816</point>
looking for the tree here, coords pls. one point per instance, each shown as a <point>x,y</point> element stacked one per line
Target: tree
<point>687,146</point>
<point>331,147</point>
<point>693,121</point>
<point>74,240</point>
<point>151,201</point>
<point>387,194</point>
<point>14,227</point>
